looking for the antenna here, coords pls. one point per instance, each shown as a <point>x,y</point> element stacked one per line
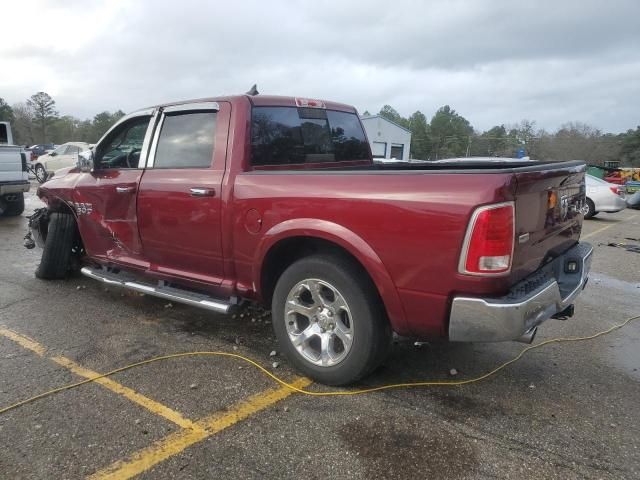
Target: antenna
<point>253,91</point>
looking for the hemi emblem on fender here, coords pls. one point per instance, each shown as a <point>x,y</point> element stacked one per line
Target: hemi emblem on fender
<point>82,208</point>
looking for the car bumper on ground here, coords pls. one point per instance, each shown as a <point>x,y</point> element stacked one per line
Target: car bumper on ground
<point>611,205</point>
<point>14,187</point>
<point>548,292</point>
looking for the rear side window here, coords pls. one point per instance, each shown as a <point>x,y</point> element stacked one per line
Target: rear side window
<point>290,135</point>
<point>186,141</point>
<point>4,133</point>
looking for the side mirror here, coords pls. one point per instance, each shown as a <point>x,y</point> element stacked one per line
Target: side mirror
<point>53,154</point>
<point>85,161</point>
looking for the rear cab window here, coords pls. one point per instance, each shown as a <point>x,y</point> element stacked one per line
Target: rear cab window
<point>290,136</point>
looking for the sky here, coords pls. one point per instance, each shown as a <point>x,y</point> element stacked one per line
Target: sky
<point>495,62</point>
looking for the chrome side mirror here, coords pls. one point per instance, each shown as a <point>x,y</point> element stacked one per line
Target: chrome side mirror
<point>85,161</point>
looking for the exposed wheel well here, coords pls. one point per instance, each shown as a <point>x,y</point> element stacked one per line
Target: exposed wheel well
<point>287,251</point>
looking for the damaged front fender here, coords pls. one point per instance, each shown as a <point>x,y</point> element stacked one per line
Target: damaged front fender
<point>38,227</point>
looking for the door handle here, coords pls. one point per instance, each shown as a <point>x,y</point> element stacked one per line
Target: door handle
<point>202,192</point>
<point>125,189</point>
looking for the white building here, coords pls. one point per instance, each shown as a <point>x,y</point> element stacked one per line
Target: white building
<point>387,139</point>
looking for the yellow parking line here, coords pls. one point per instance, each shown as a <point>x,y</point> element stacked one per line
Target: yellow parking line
<point>602,229</point>
<point>128,393</point>
<point>175,443</point>
<point>24,341</point>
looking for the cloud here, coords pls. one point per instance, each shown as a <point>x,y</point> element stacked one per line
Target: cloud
<point>494,61</point>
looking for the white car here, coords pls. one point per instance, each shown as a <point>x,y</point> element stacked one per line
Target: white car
<point>65,155</point>
<point>603,197</point>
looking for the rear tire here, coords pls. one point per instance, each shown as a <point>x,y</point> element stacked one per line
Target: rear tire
<point>591,212</point>
<point>57,252</point>
<point>15,207</point>
<point>344,325</point>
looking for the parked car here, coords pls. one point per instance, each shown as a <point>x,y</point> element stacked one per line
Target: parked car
<point>65,155</point>
<point>632,186</point>
<point>277,200</point>
<point>603,197</point>
<point>633,201</point>
<point>14,180</point>
<point>40,149</point>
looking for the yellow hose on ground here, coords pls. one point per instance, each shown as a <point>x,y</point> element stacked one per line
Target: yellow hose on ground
<point>432,383</point>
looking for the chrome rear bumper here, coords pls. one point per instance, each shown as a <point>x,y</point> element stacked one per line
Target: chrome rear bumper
<point>545,293</point>
<point>19,186</point>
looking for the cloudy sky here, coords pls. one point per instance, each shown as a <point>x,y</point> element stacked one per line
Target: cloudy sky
<point>493,61</point>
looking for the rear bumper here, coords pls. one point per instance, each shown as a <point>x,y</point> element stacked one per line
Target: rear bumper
<point>14,187</point>
<point>611,205</point>
<point>545,293</point>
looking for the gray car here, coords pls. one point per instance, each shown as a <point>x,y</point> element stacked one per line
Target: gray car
<point>602,197</point>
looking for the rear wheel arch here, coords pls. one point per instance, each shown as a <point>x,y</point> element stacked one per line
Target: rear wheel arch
<point>286,250</point>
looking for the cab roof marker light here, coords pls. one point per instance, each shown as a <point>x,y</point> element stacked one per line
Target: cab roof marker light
<point>310,103</point>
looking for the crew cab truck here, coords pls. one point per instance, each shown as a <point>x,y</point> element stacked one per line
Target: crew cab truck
<point>276,200</point>
<point>14,177</point>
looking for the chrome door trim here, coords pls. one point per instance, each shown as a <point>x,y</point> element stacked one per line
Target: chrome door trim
<point>142,161</point>
<point>154,143</point>
<point>186,107</point>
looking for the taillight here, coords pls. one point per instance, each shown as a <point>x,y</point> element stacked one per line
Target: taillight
<point>615,189</point>
<point>488,243</point>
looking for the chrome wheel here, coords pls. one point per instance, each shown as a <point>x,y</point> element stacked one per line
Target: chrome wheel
<point>319,322</point>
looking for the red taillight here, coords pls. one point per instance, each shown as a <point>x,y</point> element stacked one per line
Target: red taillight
<point>488,245</point>
<point>616,190</point>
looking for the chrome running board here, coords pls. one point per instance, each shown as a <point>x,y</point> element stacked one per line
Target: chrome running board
<point>162,290</point>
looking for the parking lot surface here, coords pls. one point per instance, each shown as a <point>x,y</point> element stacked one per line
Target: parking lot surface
<point>564,411</point>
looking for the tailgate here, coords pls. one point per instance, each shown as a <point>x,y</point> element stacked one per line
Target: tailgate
<point>548,202</point>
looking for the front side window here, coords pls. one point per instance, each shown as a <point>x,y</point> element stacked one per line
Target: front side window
<point>186,140</point>
<point>121,149</point>
<point>291,135</point>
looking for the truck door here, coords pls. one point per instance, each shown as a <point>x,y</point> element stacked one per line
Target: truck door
<point>179,199</point>
<point>105,199</point>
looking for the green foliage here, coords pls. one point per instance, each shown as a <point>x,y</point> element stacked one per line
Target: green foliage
<point>6,112</point>
<point>37,121</point>
<point>390,113</point>
<point>451,133</point>
<point>102,122</point>
<point>630,149</point>
<point>23,125</point>
<point>44,112</point>
<point>420,136</point>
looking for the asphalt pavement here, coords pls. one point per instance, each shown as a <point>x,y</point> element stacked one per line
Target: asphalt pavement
<point>564,411</point>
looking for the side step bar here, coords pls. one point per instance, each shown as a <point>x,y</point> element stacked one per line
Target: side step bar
<point>121,279</point>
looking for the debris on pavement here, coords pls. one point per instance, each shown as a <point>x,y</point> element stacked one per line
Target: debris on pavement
<point>627,246</point>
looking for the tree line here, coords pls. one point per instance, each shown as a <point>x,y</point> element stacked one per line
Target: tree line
<point>448,134</point>
<point>36,120</point>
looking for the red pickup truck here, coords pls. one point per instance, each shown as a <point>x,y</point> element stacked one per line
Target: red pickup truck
<point>218,201</point>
